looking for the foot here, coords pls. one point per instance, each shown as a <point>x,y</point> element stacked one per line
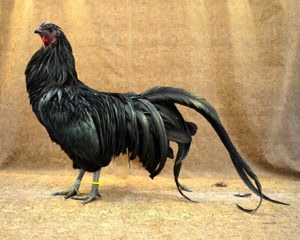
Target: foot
<point>87,198</point>
<point>94,194</point>
<point>71,193</point>
<point>75,188</point>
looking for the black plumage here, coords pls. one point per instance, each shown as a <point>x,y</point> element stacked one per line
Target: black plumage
<point>92,127</point>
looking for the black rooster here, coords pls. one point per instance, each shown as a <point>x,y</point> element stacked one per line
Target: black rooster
<point>92,127</point>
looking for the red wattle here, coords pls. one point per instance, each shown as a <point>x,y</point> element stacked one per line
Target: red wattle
<point>45,40</point>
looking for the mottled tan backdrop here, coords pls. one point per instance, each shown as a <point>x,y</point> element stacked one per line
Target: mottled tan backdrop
<point>243,56</point>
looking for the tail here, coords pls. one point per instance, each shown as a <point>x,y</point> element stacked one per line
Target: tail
<point>182,97</point>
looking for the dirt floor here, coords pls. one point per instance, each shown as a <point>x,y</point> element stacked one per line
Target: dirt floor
<point>140,208</point>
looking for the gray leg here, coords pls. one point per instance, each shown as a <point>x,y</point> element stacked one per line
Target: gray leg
<point>75,188</point>
<point>94,194</point>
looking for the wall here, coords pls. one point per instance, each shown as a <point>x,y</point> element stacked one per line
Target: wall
<point>243,56</point>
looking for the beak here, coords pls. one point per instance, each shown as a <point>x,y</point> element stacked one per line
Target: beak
<point>39,31</point>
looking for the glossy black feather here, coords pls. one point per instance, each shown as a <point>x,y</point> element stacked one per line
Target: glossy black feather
<point>92,127</point>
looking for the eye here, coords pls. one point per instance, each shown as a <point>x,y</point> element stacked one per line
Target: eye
<point>50,30</point>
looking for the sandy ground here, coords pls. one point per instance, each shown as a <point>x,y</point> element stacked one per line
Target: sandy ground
<point>140,208</point>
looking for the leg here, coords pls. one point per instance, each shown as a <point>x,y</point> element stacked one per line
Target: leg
<point>94,194</point>
<point>75,189</point>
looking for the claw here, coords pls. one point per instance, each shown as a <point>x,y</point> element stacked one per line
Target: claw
<point>60,193</point>
<point>67,194</point>
<point>72,193</point>
<point>87,198</point>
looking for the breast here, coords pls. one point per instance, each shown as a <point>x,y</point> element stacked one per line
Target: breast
<point>70,125</point>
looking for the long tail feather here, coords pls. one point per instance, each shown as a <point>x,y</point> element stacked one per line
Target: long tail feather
<point>161,133</point>
<point>180,96</point>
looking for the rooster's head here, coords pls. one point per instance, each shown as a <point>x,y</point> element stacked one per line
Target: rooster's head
<point>49,33</point>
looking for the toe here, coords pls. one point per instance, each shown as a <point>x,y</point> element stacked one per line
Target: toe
<point>90,199</point>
